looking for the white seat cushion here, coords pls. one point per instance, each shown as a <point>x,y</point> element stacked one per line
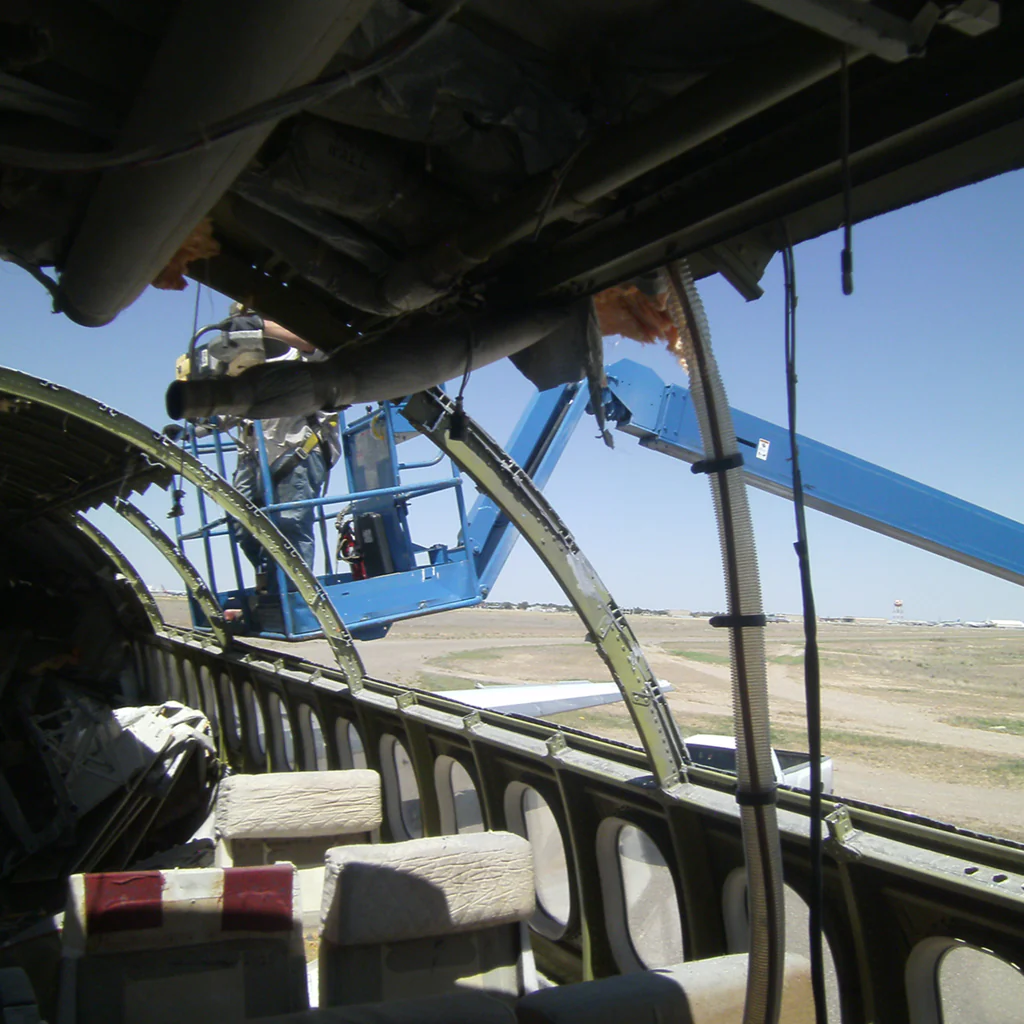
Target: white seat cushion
<point>424,887</point>
<point>298,805</point>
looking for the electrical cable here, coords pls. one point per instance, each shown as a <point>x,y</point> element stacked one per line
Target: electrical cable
<point>846,259</point>
<point>274,109</point>
<point>755,792</point>
<point>457,425</point>
<point>812,671</point>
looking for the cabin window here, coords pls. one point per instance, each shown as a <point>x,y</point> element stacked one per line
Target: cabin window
<point>951,982</point>
<point>255,727</point>
<point>978,987</point>
<point>401,791</point>
<point>648,895</point>
<point>172,679</point>
<point>229,702</point>
<point>457,797</point>
<point>351,753</point>
<point>281,731</point>
<point>192,698</point>
<point>156,688</point>
<point>734,909</point>
<point>209,698</point>
<point>314,749</point>
<point>528,813</point>
<point>641,904</point>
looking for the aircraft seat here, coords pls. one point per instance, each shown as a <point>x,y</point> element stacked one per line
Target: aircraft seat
<point>192,944</point>
<point>426,917</point>
<point>710,991</point>
<point>295,817</point>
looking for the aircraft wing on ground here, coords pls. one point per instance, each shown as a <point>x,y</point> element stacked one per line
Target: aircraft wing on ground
<point>540,699</point>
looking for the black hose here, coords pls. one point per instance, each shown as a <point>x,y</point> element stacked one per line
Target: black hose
<point>756,784</point>
<point>812,668</point>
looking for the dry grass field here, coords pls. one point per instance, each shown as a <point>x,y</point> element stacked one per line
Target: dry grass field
<point>926,719</point>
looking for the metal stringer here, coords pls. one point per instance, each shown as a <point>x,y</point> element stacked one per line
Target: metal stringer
<point>512,490</point>
<point>123,566</point>
<point>195,583</point>
<point>160,449</point>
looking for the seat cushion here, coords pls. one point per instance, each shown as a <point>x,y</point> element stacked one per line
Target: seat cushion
<point>298,805</point>
<point>437,886</point>
<point>708,991</point>
<point>161,947</point>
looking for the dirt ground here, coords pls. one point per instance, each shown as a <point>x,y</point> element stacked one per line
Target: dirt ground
<point>926,719</point>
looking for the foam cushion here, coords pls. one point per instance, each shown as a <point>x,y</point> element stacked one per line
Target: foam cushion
<point>708,991</point>
<point>295,805</point>
<point>426,887</point>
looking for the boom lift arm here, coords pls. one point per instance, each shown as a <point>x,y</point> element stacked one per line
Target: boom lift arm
<point>662,418</point>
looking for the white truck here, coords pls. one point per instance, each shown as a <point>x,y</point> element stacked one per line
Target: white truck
<point>792,768</point>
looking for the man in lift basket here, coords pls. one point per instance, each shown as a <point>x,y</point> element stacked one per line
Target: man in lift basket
<point>300,449</point>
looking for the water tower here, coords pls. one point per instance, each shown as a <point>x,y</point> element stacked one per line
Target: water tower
<point>897,610</point>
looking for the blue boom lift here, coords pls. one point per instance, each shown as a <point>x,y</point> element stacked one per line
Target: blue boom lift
<point>387,576</point>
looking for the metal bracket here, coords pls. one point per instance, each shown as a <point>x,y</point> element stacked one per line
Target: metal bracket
<point>840,826</point>
<point>556,744</point>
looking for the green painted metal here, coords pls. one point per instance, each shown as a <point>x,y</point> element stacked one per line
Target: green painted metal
<point>182,566</point>
<point>159,449</point>
<point>495,473</point>
<point>123,566</point>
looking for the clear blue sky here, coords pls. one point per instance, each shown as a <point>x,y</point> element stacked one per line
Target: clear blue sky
<point>919,371</point>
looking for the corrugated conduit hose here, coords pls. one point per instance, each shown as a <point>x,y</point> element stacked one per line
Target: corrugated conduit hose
<point>755,791</point>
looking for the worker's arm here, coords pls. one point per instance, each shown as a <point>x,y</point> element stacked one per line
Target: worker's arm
<point>278,333</point>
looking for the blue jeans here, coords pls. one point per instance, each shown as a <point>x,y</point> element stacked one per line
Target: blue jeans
<point>301,483</point>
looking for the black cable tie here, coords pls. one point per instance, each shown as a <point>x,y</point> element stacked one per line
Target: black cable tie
<point>759,798</point>
<point>718,465</point>
<point>728,621</point>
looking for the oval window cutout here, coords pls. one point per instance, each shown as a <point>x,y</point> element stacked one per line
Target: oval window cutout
<point>256,728</point>
<point>351,753</point>
<point>734,910</point>
<point>192,698</point>
<point>281,728</point>
<point>457,797</point>
<point>401,792</point>
<point>229,701</point>
<point>977,987</point>
<point>528,813</point>
<point>314,749</point>
<point>209,699</point>
<point>650,901</point>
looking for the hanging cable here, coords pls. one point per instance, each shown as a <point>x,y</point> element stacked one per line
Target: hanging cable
<point>37,272</point>
<point>812,671</point>
<point>457,426</point>
<point>846,258</point>
<point>755,789</point>
<point>274,109</point>
<point>178,493</point>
